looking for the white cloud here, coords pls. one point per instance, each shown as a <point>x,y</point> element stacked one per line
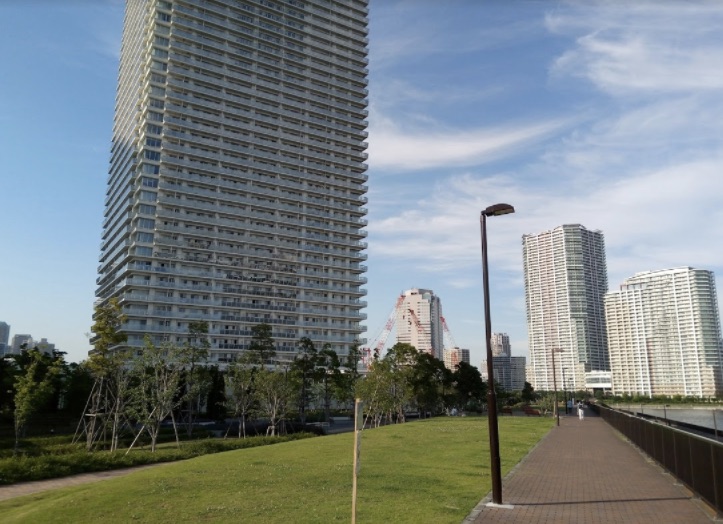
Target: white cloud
<point>393,148</point>
<point>644,48</point>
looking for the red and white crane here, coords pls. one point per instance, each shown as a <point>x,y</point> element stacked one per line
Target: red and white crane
<point>380,341</point>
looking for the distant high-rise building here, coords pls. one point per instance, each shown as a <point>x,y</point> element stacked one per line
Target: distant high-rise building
<point>500,345</point>
<point>509,372</point>
<point>45,346</point>
<point>453,356</point>
<point>465,356</point>
<point>664,334</point>
<point>18,341</point>
<point>237,176</point>
<point>565,285</point>
<point>419,322</point>
<point>4,337</point>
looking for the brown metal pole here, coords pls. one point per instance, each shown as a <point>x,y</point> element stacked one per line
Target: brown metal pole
<point>554,385</point>
<point>491,395</point>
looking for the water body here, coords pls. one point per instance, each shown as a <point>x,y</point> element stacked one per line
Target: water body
<point>704,417</point>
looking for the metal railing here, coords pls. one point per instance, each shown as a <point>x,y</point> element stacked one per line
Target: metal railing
<point>695,460</point>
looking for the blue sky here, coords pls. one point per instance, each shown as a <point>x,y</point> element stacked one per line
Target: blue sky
<point>608,114</point>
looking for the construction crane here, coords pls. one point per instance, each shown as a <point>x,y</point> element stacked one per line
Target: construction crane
<point>381,339</point>
<point>449,342</point>
<point>421,331</point>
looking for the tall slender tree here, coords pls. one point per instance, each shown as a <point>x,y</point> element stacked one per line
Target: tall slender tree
<point>157,379</point>
<point>32,388</point>
<point>262,345</point>
<point>107,365</point>
<point>304,372</point>
<point>193,357</point>
<point>241,397</point>
<point>328,365</point>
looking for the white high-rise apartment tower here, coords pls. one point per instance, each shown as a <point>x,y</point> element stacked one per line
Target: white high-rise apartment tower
<point>236,186</point>
<point>664,334</point>
<point>565,285</point>
<point>419,321</point>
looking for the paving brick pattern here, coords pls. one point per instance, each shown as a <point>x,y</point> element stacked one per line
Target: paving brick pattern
<point>584,472</point>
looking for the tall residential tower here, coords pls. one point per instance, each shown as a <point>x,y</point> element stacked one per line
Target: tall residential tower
<point>237,176</point>
<point>664,334</point>
<point>419,321</point>
<point>565,285</point>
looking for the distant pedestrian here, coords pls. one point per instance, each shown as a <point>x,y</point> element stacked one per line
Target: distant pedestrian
<point>580,410</point>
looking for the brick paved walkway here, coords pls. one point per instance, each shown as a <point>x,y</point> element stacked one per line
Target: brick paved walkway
<point>584,472</point>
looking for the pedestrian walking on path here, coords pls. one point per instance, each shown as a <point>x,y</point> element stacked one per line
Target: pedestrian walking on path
<point>588,473</point>
<point>580,411</point>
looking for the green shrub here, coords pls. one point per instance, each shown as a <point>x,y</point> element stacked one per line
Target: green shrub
<point>71,459</point>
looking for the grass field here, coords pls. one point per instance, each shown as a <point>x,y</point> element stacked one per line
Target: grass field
<point>432,471</point>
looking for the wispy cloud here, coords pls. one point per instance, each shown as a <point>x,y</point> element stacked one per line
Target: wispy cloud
<point>393,148</point>
<point>645,48</point>
<point>453,27</point>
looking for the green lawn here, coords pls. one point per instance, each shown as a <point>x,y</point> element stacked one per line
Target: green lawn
<point>427,471</point>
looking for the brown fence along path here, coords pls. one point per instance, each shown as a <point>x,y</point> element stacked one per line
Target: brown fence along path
<point>584,472</point>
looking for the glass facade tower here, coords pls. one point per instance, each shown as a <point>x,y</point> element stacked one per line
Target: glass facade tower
<point>237,178</point>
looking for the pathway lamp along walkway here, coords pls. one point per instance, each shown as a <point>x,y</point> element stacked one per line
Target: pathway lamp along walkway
<point>497,209</point>
<point>554,383</point>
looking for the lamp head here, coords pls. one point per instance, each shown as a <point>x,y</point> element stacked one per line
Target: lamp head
<point>498,209</point>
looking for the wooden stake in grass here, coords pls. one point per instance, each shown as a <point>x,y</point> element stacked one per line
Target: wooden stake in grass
<point>358,425</point>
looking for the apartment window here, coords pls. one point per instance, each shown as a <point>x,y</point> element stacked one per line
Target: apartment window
<point>144,237</point>
<point>148,196</point>
<point>154,129</point>
<point>146,223</point>
<point>151,169</point>
<point>152,155</point>
<point>156,117</point>
<point>146,209</point>
<point>144,252</point>
<point>160,53</point>
<point>153,142</point>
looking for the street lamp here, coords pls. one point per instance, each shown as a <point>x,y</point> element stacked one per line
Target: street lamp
<point>564,390</point>
<point>554,382</point>
<point>497,209</point>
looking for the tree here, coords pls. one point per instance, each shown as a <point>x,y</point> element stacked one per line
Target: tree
<point>262,344</point>
<point>240,384</point>
<point>157,378</point>
<point>108,397</point>
<point>429,379</point>
<point>216,394</point>
<point>328,365</point>
<point>470,388</point>
<point>193,356</point>
<point>274,393</point>
<point>32,388</point>
<point>528,393</point>
<point>387,387</point>
<point>303,370</point>
<point>345,384</point>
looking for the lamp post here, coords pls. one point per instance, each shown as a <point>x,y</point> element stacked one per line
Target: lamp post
<point>564,390</point>
<point>554,383</point>
<point>497,209</point>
